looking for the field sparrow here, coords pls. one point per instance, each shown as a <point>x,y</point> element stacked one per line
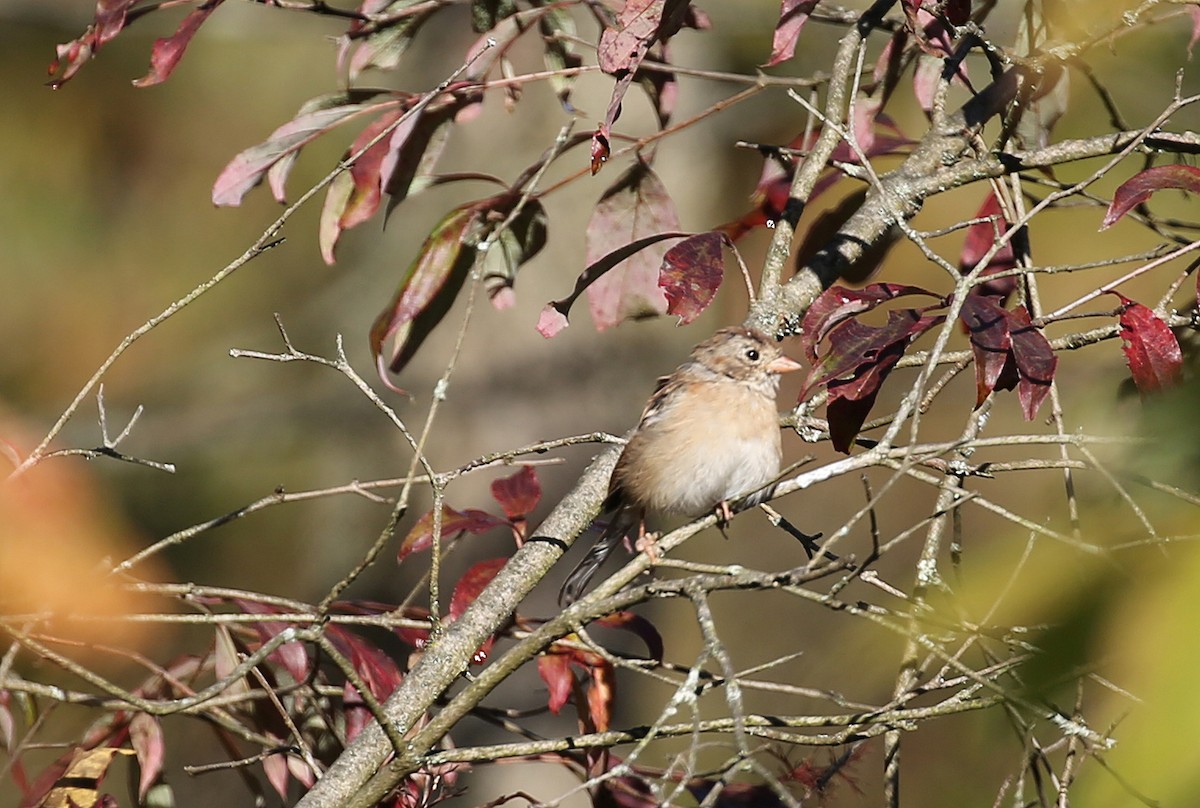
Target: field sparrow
<point>709,436</point>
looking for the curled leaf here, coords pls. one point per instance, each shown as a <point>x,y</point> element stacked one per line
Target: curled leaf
<point>554,316</point>
<point>1138,188</point>
<point>167,52</point>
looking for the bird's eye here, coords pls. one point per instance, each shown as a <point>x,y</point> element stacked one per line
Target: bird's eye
<point>752,355</point>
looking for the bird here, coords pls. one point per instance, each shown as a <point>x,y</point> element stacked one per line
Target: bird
<point>708,438</point>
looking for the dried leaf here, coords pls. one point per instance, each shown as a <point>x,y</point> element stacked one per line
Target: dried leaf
<point>167,52</point>
<point>111,17</point>
<point>1151,349</point>
<point>1138,188</point>
<point>80,779</point>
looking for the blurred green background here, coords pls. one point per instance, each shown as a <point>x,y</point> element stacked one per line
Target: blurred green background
<point>105,217</point>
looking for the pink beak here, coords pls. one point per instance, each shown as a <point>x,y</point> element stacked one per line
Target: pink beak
<point>784,365</point>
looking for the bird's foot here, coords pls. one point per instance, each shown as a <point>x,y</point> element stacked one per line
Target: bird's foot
<point>648,543</point>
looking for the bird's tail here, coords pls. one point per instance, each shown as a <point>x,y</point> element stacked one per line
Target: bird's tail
<point>623,520</point>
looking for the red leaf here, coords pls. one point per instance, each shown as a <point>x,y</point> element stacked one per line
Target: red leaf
<point>980,238</point>
<point>1009,351</point>
<point>454,523</point>
<point>691,273</point>
<point>1151,348</point>
<point>167,52</point>
<point>110,19</point>
<point>276,768</point>
<point>838,304</point>
<point>555,670</point>
<point>639,25</point>
<point>1138,188</point>
<point>368,183</point>
<point>638,626</point>
<point>246,170</point>
<point>292,655</point>
<point>600,148</point>
<point>859,359</point>
<point>1035,362</point>
<point>376,669</point>
<point>146,737</point>
<point>519,494</point>
<point>988,326</point>
<point>473,582</point>
<point>793,14</point>
<point>600,696</point>
<point>637,206</point>
<point>418,143</point>
<point>851,399</point>
<point>426,292</point>
<point>622,49</point>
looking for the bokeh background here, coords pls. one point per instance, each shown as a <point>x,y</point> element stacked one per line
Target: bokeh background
<point>105,218</point>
